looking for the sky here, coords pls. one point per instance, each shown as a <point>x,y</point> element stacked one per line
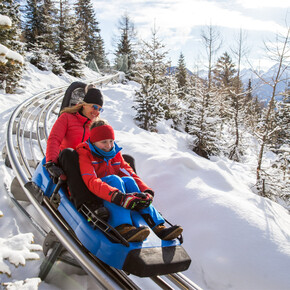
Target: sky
<point>235,238</point>
<point>180,22</point>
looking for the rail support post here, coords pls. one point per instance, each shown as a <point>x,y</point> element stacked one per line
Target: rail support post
<point>50,260</point>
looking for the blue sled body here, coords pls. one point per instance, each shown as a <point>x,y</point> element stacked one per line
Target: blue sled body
<point>144,259</point>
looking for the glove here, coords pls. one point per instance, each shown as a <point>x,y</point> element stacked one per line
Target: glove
<point>146,200</point>
<point>137,200</point>
<point>54,171</point>
<point>150,191</point>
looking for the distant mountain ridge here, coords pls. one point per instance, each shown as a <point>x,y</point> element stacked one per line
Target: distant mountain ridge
<point>264,91</point>
<point>173,70</point>
<point>261,90</point>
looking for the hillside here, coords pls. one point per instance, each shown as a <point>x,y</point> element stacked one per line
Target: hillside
<point>236,239</point>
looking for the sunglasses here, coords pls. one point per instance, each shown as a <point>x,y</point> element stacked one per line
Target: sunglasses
<point>98,108</point>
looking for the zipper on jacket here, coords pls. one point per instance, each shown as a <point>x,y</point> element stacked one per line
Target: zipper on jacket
<point>85,129</point>
<point>107,166</point>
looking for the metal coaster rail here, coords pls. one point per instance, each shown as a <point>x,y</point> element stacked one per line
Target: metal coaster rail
<point>27,133</point>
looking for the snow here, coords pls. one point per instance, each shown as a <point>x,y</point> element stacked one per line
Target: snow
<point>28,284</point>
<point>13,55</point>
<point>6,53</point>
<point>236,239</point>
<point>3,52</point>
<point>5,21</point>
<point>17,249</point>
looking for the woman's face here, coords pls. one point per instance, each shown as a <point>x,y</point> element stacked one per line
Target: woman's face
<point>91,111</point>
<point>105,145</point>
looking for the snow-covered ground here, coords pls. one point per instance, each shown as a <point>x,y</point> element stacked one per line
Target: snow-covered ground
<point>236,239</point>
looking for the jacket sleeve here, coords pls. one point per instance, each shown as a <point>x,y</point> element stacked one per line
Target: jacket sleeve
<point>94,184</point>
<point>126,170</point>
<point>55,138</point>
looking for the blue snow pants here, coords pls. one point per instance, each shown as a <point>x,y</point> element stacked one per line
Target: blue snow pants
<point>120,215</point>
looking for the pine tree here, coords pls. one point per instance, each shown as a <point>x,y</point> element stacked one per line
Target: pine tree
<point>32,22</point>
<point>149,73</point>
<point>181,75</point>
<point>70,46</point>
<point>126,53</point>
<point>252,108</point>
<point>148,105</point>
<point>236,149</point>
<point>11,73</point>
<point>223,84</point>
<point>224,71</point>
<point>91,37</point>
<point>283,119</point>
<point>200,118</point>
<point>172,105</point>
<point>248,97</point>
<point>230,99</point>
<point>280,172</point>
<point>43,50</point>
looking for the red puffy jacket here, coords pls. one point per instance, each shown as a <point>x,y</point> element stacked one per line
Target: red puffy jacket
<point>68,131</point>
<point>93,168</point>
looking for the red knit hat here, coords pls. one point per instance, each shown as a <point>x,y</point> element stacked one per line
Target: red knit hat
<point>102,133</point>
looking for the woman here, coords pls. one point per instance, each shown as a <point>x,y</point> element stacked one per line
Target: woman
<point>110,178</point>
<point>69,130</point>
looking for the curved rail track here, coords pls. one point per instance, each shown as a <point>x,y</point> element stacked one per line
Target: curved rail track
<point>27,133</point>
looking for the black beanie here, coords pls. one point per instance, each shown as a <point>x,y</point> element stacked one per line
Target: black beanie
<point>94,96</point>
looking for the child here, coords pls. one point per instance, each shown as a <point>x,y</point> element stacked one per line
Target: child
<point>109,177</point>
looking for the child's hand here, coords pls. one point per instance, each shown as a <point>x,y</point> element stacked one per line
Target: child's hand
<point>136,200</point>
<point>146,200</point>
<point>150,191</point>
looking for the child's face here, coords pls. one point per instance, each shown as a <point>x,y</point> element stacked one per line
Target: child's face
<point>105,145</point>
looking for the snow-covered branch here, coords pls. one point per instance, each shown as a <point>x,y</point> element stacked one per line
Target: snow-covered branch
<point>5,21</point>
<point>6,53</point>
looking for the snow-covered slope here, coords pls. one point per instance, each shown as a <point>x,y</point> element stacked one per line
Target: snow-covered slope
<point>236,239</point>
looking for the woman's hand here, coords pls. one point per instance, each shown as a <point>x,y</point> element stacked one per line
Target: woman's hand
<point>54,171</point>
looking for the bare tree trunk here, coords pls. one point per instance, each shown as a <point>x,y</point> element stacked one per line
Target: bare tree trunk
<point>266,128</point>
<point>240,52</point>
<point>212,42</point>
<point>281,54</point>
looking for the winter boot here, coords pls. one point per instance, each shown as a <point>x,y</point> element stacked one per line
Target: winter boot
<point>167,233</point>
<point>133,234</point>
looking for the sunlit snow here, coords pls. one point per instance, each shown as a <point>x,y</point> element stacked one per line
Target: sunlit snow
<point>236,239</point>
